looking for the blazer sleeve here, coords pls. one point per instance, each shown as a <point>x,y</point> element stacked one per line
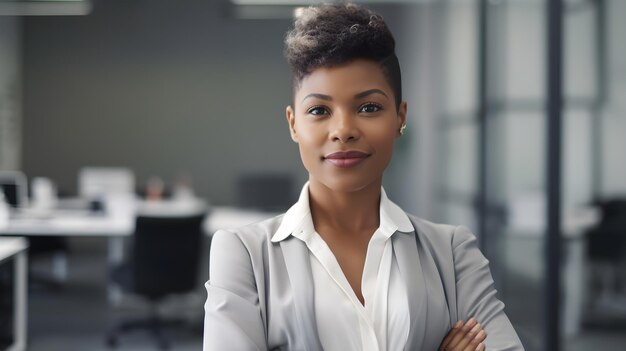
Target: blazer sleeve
<point>476,294</point>
<point>232,314</point>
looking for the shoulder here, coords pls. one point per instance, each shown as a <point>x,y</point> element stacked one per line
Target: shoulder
<point>250,236</point>
<point>441,236</point>
<point>240,253</point>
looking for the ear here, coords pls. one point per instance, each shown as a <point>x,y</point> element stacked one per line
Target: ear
<point>402,115</point>
<point>291,120</point>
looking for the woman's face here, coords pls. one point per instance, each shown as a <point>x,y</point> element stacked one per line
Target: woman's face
<point>345,122</point>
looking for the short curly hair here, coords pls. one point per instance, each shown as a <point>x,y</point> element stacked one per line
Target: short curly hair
<point>333,34</point>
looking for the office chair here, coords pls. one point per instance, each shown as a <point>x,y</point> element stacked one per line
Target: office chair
<point>606,250</point>
<point>165,261</point>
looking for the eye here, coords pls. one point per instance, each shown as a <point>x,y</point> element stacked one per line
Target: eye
<point>370,107</point>
<point>317,111</point>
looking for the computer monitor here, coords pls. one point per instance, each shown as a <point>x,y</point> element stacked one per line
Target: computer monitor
<point>101,181</point>
<point>13,185</point>
<point>268,192</point>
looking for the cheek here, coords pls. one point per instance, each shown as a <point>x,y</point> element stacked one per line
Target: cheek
<point>384,136</point>
<point>384,140</point>
<point>310,147</point>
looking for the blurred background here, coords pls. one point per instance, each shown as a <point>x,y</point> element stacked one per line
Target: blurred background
<point>132,128</point>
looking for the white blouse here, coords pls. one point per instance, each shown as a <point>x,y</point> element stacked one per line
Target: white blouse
<point>343,323</point>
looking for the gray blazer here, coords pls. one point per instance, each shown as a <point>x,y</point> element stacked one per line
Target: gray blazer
<point>260,293</point>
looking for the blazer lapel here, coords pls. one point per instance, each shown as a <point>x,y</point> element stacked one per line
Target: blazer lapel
<point>296,256</point>
<point>406,251</point>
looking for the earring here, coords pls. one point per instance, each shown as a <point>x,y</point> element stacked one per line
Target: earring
<point>402,129</point>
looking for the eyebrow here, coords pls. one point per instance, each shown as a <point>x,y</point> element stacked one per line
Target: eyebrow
<point>357,96</point>
<point>319,96</point>
<point>370,92</point>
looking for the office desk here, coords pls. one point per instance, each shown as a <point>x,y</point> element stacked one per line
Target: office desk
<point>227,217</point>
<point>14,249</point>
<point>69,224</point>
<point>76,223</point>
<point>117,227</point>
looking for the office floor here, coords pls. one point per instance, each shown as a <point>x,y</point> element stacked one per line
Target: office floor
<point>76,315</point>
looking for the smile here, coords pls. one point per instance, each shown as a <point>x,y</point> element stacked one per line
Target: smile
<point>346,159</point>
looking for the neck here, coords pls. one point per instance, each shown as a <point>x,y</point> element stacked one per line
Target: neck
<point>348,211</point>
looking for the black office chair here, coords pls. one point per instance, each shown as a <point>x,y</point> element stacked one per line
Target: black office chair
<point>165,261</point>
<point>607,240</point>
<point>606,251</point>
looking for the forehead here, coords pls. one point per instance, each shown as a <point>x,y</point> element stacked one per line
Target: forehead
<point>348,78</point>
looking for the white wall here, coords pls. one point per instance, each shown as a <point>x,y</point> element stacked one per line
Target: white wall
<point>161,87</point>
<point>164,87</point>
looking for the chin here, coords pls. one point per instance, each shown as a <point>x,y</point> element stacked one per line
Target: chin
<point>348,183</point>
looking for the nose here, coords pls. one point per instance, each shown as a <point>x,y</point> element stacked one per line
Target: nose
<point>344,128</point>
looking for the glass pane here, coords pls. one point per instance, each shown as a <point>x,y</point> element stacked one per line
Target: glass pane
<point>461,159</point>
<point>519,174</point>
<point>459,67</point>
<point>613,144</point>
<point>523,41</point>
<point>516,149</point>
<point>460,214</point>
<point>524,150</point>
<point>594,244</point>
<point>577,160</point>
<point>580,52</point>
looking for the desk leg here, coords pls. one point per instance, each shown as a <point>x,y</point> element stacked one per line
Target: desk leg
<point>21,306</point>
<point>115,257</point>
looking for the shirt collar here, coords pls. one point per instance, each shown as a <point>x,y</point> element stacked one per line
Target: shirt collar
<point>298,218</point>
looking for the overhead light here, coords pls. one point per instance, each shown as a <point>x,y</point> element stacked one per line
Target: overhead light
<point>45,7</point>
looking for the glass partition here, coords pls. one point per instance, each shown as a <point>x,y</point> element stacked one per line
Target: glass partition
<point>493,129</point>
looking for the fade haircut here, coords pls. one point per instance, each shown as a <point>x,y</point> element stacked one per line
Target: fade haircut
<point>333,34</point>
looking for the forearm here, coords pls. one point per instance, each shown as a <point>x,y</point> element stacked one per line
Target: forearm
<point>476,294</point>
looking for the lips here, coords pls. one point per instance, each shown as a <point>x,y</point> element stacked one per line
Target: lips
<point>346,159</point>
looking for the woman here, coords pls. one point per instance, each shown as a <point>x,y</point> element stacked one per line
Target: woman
<point>345,268</point>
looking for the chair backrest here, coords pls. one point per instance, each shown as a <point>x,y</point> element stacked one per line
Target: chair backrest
<point>166,254</point>
<point>614,210</point>
<point>102,181</point>
<point>13,185</point>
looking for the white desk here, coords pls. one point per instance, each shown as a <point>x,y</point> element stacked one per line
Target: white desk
<point>114,226</point>
<point>118,226</point>
<point>60,223</point>
<point>76,223</point>
<point>226,217</point>
<point>15,248</point>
